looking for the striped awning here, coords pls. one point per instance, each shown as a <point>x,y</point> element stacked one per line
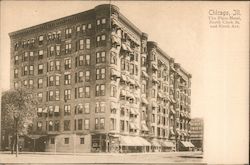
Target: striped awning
<point>145,74</point>
<point>144,100</point>
<point>144,127</point>
<point>154,66</point>
<point>155,143</point>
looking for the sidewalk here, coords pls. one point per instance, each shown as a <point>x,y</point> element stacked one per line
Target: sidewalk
<point>104,154</point>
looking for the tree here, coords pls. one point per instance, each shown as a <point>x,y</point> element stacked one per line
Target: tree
<point>18,111</point>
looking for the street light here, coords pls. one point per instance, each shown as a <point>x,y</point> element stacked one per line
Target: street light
<point>16,118</point>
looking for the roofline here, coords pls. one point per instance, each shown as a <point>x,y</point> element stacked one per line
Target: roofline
<point>49,23</point>
<point>163,53</point>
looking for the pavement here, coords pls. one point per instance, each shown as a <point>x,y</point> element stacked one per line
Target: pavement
<point>113,158</point>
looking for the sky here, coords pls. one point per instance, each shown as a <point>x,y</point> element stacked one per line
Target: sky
<point>216,58</point>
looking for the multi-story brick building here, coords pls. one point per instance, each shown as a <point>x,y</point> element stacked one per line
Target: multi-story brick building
<point>197,132</point>
<point>102,85</point>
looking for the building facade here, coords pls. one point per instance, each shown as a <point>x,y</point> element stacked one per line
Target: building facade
<point>197,132</point>
<point>102,86</point>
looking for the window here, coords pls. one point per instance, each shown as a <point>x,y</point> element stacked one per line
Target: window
<point>78,28</point>
<point>87,43</point>
<point>87,59</point>
<point>100,57</point>
<point>113,58</point>
<point>66,140</point>
<point>89,26</point>
<point>25,70</point>
<point>122,125</point>
<point>100,73</point>
<point>102,123</point>
<point>40,69</point>
<point>67,64</point>
<point>57,68</point>
<point>31,70</point>
<point>80,77</point>
<point>40,54</point>
<point>67,110</point>
<point>15,84</point>
<point>153,93</point>
<point>40,40</point>
<point>67,79</point>
<point>112,124</point>
<point>136,70</point>
<point>83,27</point>
<point>98,22</point>
<point>102,107</point>
<point>80,60</point>
<point>86,108</point>
<point>25,83</point>
<point>58,50</point>
<point>86,124</point>
<point>131,68</point>
<point>81,140</point>
<point>103,20</point>
<point>122,64</point>
<point>87,76</point>
<point>102,92</point>
<point>40,96</point>
<point>15,73</point>
<point>57,125</point>
<point>39,125</point>
<point>81,44</point>
<point>103,37</point>
<point>96,123</point>
<point>80,92</point>
<point>31,83</point>
<point>57,80</point>
<point>67,95</point>
<point>52,140</point>
<point>87,92</point>
<point>51,95</point>
<point>79,124</point>
<point>25,57</point>
<point>50,125</point>
<point>16,59</point>
<point>40,83</point>
<point>51,80</point>
<point>113,91</point>
<point>51,65</point>
<point>31,56</point>
<point>57,95</point>
<point>51,51</point>
<point>97,107</point>
<point>97,90</point>
<point>68,48</point>
<point>68,33</point>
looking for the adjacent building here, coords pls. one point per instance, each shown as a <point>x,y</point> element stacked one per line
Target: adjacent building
<point>102,86</point>
<point>197,132</point>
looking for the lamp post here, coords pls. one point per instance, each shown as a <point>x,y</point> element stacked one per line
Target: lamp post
<point>16,118</point>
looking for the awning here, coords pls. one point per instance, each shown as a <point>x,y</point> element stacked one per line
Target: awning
<point>124,47</point>
<point>155,143</point>
<point>160,95</point>
<point>154,66</point>
<point>132,111</point>
<point>114,22</point>
<point>137,83</point>
<point>189,144</point>
<point>184,144</point>
<point>115,39</point>
<point>39,110</point>
<point>124,77</point>
<point>144,127</point>
<point>45,110</point>
<point>154,104</point>
<point>129,49</point>
<point>144,100</point>
<point>172,132</point>
<point>115,73</point>
<point>113,105</point>
<point>56,108</point>
<point>123,93</point>
<point>145,74</point>
<point>133,141</point>
<point>142,141</point>
<point>132,126</point>
<point>169,144</point>
<point>35,136</point>
<point>131,81</point>
<point>154,79</point>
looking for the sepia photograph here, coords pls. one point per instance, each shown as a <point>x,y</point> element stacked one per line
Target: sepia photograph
<point>124,82</point>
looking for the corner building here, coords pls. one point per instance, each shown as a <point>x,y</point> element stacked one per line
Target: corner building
<point>102,86</point>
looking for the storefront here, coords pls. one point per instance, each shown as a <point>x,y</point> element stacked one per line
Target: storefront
<point>186,146</point>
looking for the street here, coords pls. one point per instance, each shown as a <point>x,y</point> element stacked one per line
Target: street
<point>162,157</point>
